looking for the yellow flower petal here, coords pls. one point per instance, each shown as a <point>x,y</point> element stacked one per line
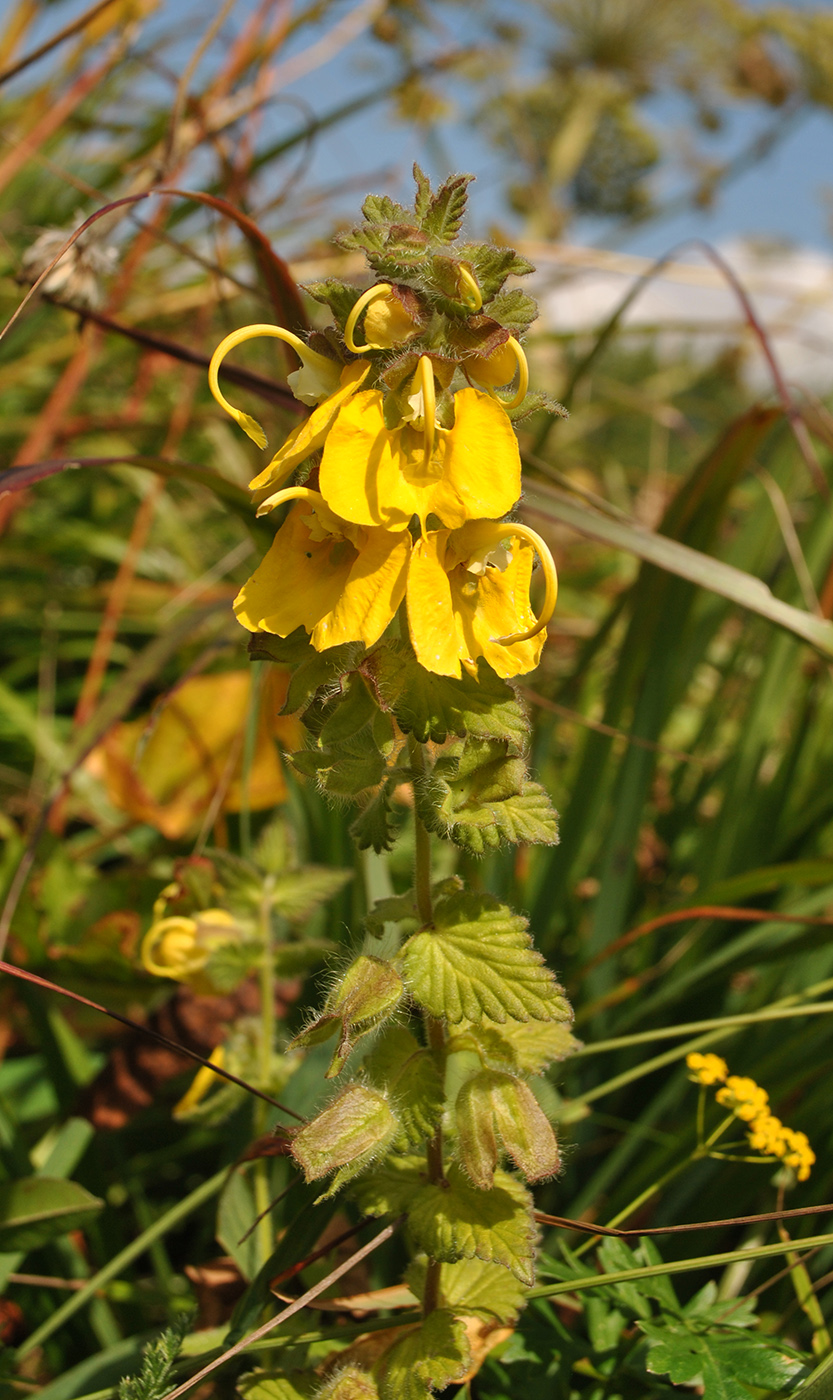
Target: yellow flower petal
<point>430,612</point>
<point>298,581</point>
<point>341,582</point>
<point>374,589</point>
<point>375,476</point>
<point>310,434</point>
<point>495,605</point>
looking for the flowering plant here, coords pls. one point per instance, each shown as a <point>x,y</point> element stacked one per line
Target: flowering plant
<point>397,591</point>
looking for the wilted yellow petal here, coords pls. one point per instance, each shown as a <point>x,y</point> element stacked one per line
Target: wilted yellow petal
<point>166,768</point>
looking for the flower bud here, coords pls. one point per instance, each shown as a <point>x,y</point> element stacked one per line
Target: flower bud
<point>349,1384</point>
<point>387,323</point>
<point>370,990</point>
<point>495,369</point>
<point>493,1110</point>
<point>356,1127</point>
<point>180,947</point>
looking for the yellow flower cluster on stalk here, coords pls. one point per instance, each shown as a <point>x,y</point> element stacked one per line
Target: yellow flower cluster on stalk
<point>750,1103</point>
<point>406,495</point>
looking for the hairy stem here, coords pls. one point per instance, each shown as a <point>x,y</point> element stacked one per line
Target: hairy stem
<point>434,1029</point>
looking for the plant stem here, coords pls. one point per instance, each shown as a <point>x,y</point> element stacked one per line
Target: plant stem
<point>267,1041</point>
<point>434,1029</point>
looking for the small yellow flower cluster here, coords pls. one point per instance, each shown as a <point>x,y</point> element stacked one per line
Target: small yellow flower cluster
<point>749,1102</point>
<point>406,501</point>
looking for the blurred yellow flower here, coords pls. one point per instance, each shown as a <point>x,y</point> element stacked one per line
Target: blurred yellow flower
<point>168,767</point>
<point>707,1069</point>
<point>468,596</point>
<point>341,582</point>
<point>744,1097</point>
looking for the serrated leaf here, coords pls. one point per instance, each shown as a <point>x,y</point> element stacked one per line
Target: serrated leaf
<point>393,909</point>
<point>381,209</point>
<point>479,960</point>
<point>443,218</point>
<point>493,265</point>
<point>346,758</point>
<point>454,1220</point>
<point>320,669</point>
<point>37,1209</point>
<point>389,1189</point>
<point>427,1359</point>
<point>724,1364</point>
<point>408,1073</point>
<point>514,310</point>
<point>479,797</point>
<point>434,707</point>
<point>422,200</point>
<point>376,826</point>
<point>298,894</point>
<point>473,1288</point>
<point>536,401</point>
<point>340,296</point>
<point>529,1046</point>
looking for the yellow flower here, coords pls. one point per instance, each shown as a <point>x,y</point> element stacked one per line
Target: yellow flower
<point>341,582</point>
<point>203,1081</point>
<point>387,322</point>
<point>744,1097</point>
<point>766,1134</point>
<point>179,947</point>
<point>468,596</point>
<point>707,1069</point>
<point>374,475</point>
<point>500,368</point>
<point>319,381</point>
<point>799,1154</point>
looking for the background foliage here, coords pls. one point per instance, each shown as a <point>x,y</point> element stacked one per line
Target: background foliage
<point>682,714</point>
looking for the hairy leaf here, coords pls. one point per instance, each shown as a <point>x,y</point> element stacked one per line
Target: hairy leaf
<point>444,217</point>
<point>389,1189</point>
<point>478,796</point>
<point>427,1359</point>
<point>473,1287</point>
<point>723,1363</point>
<point>526,1046</point>
<point>354,1129</point>
<point>454,1220</point>
<point>494,1110</point>
<point>408,1074</point>
<point>433,707</point>
<point>515,310</point>
<point>479,960</point>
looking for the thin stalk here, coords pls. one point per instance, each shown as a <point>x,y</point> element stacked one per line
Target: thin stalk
<point>263,1195</point>
<point>434,1029</point>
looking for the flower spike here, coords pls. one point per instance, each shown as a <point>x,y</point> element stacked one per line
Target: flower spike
<point>470,293</point>
<point>372,294</point>
<point>523,532</point>
<point>325,371</point>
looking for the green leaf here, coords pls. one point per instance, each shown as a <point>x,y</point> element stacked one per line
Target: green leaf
<point>723,1363</point>
<point>380,209</point>
<point>340,296</point>
<point>299,893</point>
<point>479,797</point>
<point>473,1288</point>
<point>158,1361</point>
<point>313,671</point>
<point>493,265</point>
<point>376,826</point>
<point>37,1209</point>
<point>422,201</point>
<point>479,960</point>
<point>393,909</point>
<point>266,1385</point>
<point>443,218</point>
<point>433,707</point>
<point>453,1220</point>
<point>514,310</point>
<point>529,1046</point>
<point>408,1073</point>
<point>389,1189</point>
<point>347,758</point>
<point>429,1358</point>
